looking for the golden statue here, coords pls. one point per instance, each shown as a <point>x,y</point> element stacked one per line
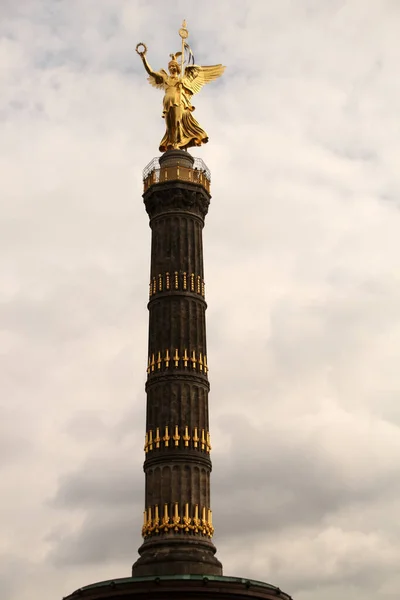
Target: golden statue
<point>182,82</point>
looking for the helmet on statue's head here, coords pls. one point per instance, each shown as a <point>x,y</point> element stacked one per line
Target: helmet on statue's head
<point>174,63</point>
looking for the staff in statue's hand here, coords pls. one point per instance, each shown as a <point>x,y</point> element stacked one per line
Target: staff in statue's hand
<point>182,129</point>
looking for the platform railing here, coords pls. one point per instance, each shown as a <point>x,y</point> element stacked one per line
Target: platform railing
<point>199,173</point>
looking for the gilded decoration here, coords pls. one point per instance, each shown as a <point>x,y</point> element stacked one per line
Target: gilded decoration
<point>189,520</point>
<point>183,80</point>
<point>187,438</point>
<point>161,361</point>
<point>185,282</point>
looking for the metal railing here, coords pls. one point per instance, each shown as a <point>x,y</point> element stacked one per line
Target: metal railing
<point>153,168</point>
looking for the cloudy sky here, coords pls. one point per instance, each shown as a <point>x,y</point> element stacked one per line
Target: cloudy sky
<point>302,252</point>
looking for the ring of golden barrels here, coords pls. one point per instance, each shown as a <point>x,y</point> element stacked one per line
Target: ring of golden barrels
<point>163,526</point>
<point>143,50</point>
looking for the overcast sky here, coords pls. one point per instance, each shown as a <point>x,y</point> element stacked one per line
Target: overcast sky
<point>302,253</point>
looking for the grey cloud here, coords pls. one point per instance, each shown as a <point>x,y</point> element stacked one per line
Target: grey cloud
<point>14,445</point>
<point>11,567</point>
<point>103,537</point>
<point>100,483</point>
<point>283,479</point>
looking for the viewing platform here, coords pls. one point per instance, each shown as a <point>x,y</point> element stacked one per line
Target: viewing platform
<point>176,168</point>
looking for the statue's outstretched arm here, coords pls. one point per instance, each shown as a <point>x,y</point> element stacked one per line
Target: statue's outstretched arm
<point>158,78</point>
<point>147,66</point>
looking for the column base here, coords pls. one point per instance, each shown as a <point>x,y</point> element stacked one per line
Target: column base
<point>177,557</point>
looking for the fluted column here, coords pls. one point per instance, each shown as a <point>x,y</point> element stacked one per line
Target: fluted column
<point>177,520</point>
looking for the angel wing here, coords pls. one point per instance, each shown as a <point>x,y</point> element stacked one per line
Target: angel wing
<point>196,76</point>
<point>157,80</point>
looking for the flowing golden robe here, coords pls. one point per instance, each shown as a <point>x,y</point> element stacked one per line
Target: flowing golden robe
<point>182,130</point>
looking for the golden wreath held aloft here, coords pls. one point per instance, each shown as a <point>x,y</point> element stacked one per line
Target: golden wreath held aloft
<point>141,52</point>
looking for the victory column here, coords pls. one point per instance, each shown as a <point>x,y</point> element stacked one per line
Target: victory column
<point>177,557</point>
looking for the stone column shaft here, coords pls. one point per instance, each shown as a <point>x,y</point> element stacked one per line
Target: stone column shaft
<point>177,526</point>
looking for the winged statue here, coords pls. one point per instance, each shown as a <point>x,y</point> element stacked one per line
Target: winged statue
<point>179,85</point>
